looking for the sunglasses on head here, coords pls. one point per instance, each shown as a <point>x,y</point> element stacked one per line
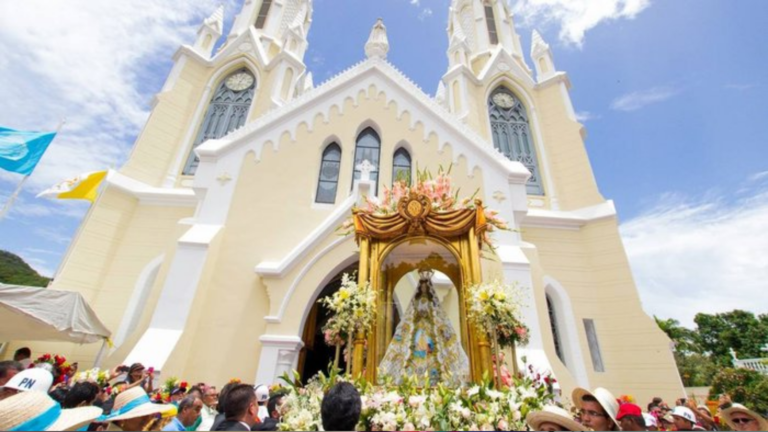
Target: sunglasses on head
<point>743,420</point>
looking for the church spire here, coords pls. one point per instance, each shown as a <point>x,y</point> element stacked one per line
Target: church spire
<point>485,25</point>
<point>281,25</point>
<point>378,43</point>
<point>542,57</point>
<point>210,32</point>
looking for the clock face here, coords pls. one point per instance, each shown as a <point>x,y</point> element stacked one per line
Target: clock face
<point>239,82</point>
<point>504,100</point>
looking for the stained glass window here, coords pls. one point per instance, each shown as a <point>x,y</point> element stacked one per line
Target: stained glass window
<point>512,134</point>
<point>329,175</point>
<point>227,111</point>
<point>368,148</point>
<point>401,166</point>
<point>555,329</point>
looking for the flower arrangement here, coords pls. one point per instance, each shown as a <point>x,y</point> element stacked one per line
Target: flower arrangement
<point>439,190</point>
<point>60,369</point>
<point>94,375</point>
<point>353,307</point>
<point>413,406</point>
<point>493,307</point>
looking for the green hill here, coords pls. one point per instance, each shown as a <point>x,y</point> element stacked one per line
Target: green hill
<point>14,271</point>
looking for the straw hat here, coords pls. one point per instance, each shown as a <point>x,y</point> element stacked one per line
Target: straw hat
<point>738,408</point>
<point>553,414</point>
<point>34,411</point>
<point>134,403</point>
<point>604,398</point>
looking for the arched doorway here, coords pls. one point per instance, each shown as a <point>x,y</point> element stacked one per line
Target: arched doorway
<point>316,356</point>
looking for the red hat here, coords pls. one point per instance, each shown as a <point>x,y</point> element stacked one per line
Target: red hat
<point>629,410</point>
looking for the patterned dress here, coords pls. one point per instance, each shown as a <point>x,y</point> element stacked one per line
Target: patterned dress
<point>426,344</point>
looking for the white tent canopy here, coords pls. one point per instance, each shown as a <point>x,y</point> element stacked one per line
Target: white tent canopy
<point>39,314</point>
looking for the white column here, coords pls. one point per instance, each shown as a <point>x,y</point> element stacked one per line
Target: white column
<point>279,355</point>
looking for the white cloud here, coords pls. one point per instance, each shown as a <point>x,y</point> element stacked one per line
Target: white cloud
<point>640,99</point>
<point>758,176</point>
<point>576,17</point>
<point>93,63</point>
<point>741,87</point>
<point>585,116</point>
<point>424,14</point>
<point>708,255</point>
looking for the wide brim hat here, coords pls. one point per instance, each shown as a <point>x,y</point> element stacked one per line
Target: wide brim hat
<point>738,408</point>
<point>603,397</point>
<point>134,403</point>
<point>37,411</point>
<point>553,414</point>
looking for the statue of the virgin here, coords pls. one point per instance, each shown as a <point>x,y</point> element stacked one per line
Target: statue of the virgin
<point>425,343</point>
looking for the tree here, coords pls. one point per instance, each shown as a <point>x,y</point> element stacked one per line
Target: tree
<point>14,271</point>
<point>686,340</point>
<point>738,330</point>
<point>744,386</point>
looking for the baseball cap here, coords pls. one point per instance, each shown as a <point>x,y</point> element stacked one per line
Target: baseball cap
<point>34,379</point>
<point>629,410</point>
<point>650,421</point>
<point>262,393</point>
<point>684,413</point>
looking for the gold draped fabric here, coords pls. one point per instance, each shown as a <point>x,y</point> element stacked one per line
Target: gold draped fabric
<point>453,223</point>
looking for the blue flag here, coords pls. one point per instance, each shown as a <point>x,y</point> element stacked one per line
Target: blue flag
<point>20,151</point>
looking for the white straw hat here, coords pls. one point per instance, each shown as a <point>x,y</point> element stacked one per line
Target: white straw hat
<point>134,403</point>
<point>35,379</point>
<point>650,421</point>
<point>738,408</point>
<point>604,398</point>
<point>553,414</point>
<point>35,411</point>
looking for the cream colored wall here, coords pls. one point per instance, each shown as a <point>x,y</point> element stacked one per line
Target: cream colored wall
<point>167,131</point>
<point>118,239</point>
<point>592,266</point>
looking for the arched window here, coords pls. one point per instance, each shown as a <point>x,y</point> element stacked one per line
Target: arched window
<point>401,166</point>
<point>328,181</point>
<point>227,111</point>
<point>490,21</point>
<point>263,13</point>
<point>555,329</point>
<point>512,134</point>
<point>368,149</point>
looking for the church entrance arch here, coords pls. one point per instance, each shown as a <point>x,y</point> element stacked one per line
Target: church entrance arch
<point>316,355</point>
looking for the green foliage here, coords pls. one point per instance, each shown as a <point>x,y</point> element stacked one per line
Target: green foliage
<point>696,370</point>
<point>701,353</point>
<point>744,386</point>
<point>14,271</point>
<point>738,330</point>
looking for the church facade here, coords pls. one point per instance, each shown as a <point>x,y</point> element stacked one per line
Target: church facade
<point>207,252</point>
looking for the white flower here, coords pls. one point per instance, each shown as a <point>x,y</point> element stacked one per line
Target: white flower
<point>493,394</point>
<point>409,427</point>
<point>466,413</point>
<point>473,391</point>
<point>486,427</point>
<point>415,401</point>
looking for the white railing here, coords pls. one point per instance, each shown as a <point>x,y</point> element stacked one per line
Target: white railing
<point>756,364</point>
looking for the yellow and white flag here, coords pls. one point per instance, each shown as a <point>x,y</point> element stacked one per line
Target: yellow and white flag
<point>84,187</point>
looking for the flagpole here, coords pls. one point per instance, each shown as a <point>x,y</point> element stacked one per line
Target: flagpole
<point>17,192</point>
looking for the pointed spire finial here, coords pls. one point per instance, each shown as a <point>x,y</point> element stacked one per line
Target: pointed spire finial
<point>537,43</point>
<point>216,20</point>
<point>378,43</point>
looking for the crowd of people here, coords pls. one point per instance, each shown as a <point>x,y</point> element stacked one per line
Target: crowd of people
<point>33,398</point>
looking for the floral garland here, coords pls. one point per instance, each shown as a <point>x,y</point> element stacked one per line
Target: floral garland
<point>353,307</point>
<point>412,406</point>
<point>493,306</point>
<point>440,192</point>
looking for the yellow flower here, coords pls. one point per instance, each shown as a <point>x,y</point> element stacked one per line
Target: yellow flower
<point>484,295</point>
<point>343,294</point>
<point>500,296</point>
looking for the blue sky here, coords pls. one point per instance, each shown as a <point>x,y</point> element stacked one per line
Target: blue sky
<point>673,95</point>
